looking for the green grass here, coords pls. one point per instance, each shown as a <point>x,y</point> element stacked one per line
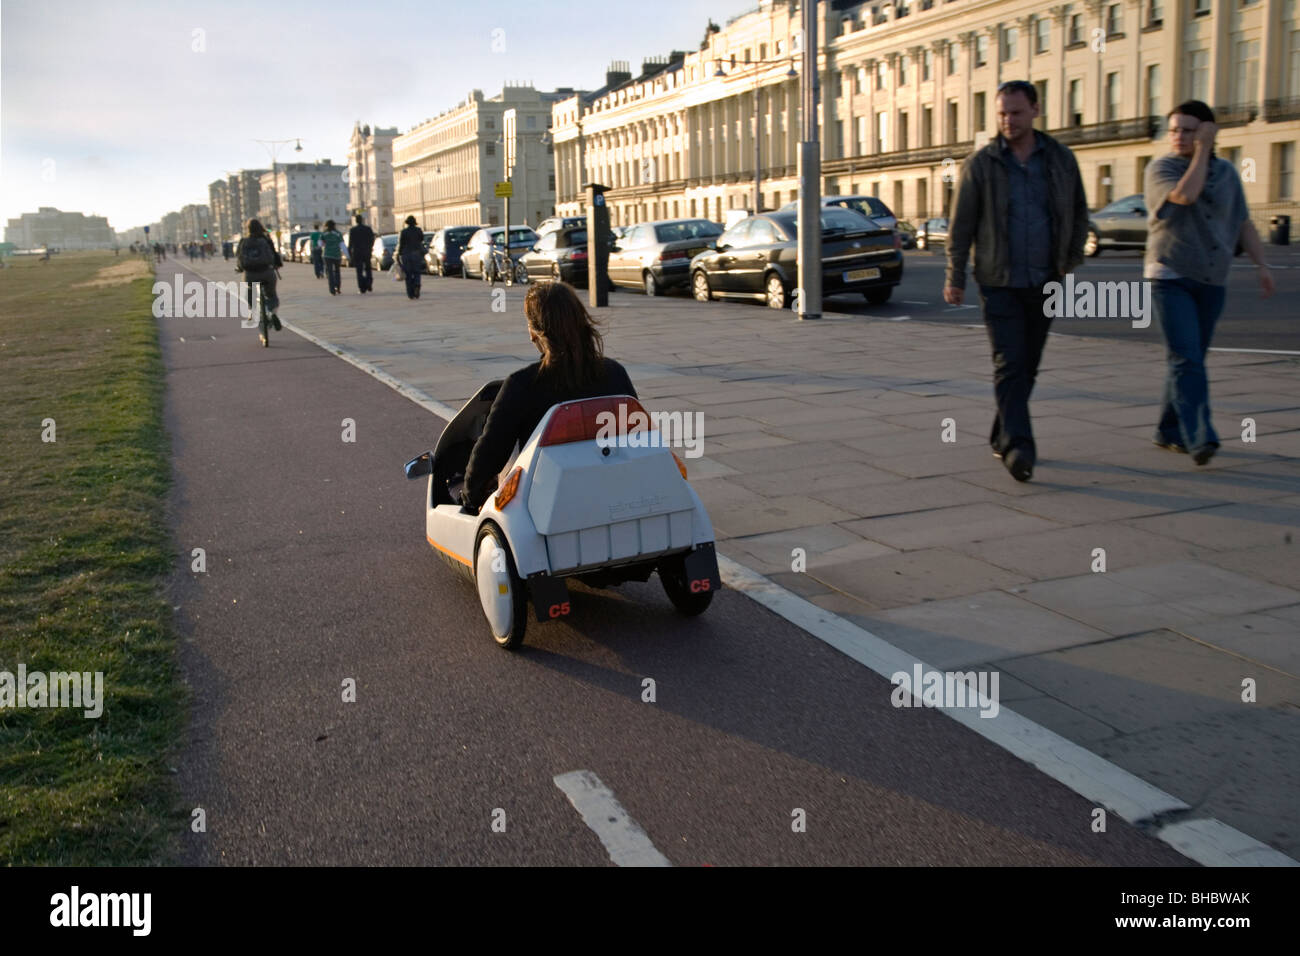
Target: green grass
<point>84,553</point>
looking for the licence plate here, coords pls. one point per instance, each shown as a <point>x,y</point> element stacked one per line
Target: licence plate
<point>857,275</point>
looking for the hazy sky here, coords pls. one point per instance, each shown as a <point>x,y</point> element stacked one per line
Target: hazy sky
<point>121,110</point>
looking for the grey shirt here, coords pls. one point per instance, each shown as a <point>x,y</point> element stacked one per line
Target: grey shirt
<point>1029,221</point>
<point>1196,241</point>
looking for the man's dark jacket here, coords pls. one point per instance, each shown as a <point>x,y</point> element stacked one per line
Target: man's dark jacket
<point>361,239</point>
<point>979,214</point>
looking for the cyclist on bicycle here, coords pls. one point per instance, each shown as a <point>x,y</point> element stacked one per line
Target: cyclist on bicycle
<point>257,259</point>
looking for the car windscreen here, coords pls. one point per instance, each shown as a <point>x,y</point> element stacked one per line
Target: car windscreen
<point>693,229</point>
<point>524,237</point>
<point>835,222</point>
<point>869,206</point>
<point>575,237</point>
<point>459,236</point>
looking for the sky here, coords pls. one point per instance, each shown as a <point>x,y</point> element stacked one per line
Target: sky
<point>129,108</point>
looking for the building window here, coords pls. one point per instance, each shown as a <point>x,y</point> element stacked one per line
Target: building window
<point>1076,103</point>
<point>859,79</point>
<point>762,51</point>
<point>1112,96</point>
<point>927,66</point>
<point>903,139</point>
<point>490,122</point>
<point>951,53</point>
<point>1247,79</point>
<point>977,113</point>
<point>1153,90</point>
<point>927,125</point>
<point>1076,28</point>
<point>1105,184</point>
<point>1042,34</point>
<point>839,85</point>
<point>840,143</point>
<point>491,148</point>
<point>864,135</point>
<point>950,131</point>
<point>882,69</point>
<point>1285,165</point>
<point>882,132</point>
<point>1010,42</point>
<point>1114,20</point>
<point>1155,13</point>
<point>550,182</point>
<point>1041,122</point>
<point>1293,65</point>
<point>904,67</point>
<point>530,122</point>
<point>981,49</point>
<point>1198,74</point>
<point>1200,8</point>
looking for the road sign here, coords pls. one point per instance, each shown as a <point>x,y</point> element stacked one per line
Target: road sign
<point>505,191</point>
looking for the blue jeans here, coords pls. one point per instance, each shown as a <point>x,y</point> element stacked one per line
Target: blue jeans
<point>1187,311</point>
<point>332,274</point>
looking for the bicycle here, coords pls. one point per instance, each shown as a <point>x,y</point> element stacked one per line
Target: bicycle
<point>500,265</point>
<point>264,319</point>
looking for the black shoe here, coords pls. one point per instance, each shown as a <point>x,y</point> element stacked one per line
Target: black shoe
<point>1169,446</point>
<point>1204,454</point>
<point>1019,464</point>
<point>275,322</point>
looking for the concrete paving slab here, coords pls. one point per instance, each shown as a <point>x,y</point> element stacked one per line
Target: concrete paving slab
<point>1068,552</point>
<point>1226,527</point>
<point>945,526</point>
<point>1060,718</point>
<point>1277,564</point>
<point>759,515</point>
<point>1271,637</point>
<point>829,477</point>
<point>914,577</point>
<point>905,496</point>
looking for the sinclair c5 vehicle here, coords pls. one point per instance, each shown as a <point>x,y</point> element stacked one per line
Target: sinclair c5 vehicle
<point>579,500</point>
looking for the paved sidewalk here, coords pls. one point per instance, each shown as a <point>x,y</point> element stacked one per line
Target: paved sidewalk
<point>826,437</point>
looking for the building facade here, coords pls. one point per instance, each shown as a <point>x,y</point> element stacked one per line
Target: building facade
<point>907,91</point>
<point>446,169</point>
<point>50,228</point>
<point>223,222</point>
<point>370,175</point>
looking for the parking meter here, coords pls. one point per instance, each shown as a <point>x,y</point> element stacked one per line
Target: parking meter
<point>598,237</point>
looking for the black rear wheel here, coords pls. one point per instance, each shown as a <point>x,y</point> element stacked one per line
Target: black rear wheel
<point>672,574</point>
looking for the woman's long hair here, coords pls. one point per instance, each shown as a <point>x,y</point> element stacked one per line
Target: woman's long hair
<point>255,228</point>
<point>573,349</point>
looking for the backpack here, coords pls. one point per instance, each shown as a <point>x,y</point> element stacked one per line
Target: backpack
<point>256,255</point>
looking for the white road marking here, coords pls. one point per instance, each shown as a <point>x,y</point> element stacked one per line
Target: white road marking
<point>626,842</point>
<point>1256,351</point>
<point>1207,841</point>
<point>900,318</point>
<point>914,302</point>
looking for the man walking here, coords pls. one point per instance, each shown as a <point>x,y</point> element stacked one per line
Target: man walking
<point>361,239</point>
<point>317,260</point>
<point>1196,216</point>
<point>1021,201</point>
<point>332,249</point>
<point>410,253</point>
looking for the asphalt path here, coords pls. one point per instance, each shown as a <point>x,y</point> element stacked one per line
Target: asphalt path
<point>317,571</point>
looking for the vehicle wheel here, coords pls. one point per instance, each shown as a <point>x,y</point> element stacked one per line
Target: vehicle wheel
<point>464,270</point>
<point>672,575</point>
<point>777,296</point>
<point>555,272</point>
<point>500,592</point>
<point>920,242</point>
<point>1091,245</point>
<point>521,273</point>
<point>700,287</point>
<point>878,296</point>
<point>649,284</point>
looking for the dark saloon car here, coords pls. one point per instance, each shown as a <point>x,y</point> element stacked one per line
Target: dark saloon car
<point>656,256</point>
<point>757,258</point>
<point>933,232</point>
<point>443,257</point>
<point>560,256</point>
<point>1121,225</point>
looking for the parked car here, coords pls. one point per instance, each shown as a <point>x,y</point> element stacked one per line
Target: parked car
<point>758,259</point>
<point>302,249</point>
<point>656,256</point>
<point>290,251</point>
<point>382,252</point>
<point>443,256</point>
<point>933,232</point>
<point>869,206</point>
<point>906,234</point>
<point>559,255</point>
<point>522,238</point>
<point>1120,225</point>
<point>556,223</point>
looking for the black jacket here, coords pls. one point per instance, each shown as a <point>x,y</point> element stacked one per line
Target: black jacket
<point>361,239</point>
<point>524,398</point>
<point>411,240</point>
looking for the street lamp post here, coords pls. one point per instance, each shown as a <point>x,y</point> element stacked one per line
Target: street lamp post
<point>758,119</point>
<point>274,146</point>
<point>810,175</point>
<point>436,171</point>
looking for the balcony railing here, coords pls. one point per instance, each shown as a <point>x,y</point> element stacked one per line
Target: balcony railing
<point>1236,114</point>
<point>1282,109</point>
<point>902,157</point>
<point>1143,127</point>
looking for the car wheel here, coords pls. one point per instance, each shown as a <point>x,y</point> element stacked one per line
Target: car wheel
<point>649,284</point>
<point>920,242</point>
<point>464,270</point>
<point>777,295</point>
<point>700,287</point>
<point>521,273</point>
<point>500,590</point>
<point>878,296</point>
<point>672,575</point>
<point>1091,245</point>
<point>555,272</point>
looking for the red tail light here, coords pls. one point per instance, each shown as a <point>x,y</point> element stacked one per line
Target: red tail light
<point>576,421</point>
<point>898,240</point>
<point>578,254</point>
<point>675,254</point>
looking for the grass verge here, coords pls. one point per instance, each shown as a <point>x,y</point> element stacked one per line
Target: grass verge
<point>84,554</point>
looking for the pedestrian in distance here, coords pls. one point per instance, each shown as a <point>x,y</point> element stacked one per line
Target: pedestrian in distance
<point>1020,201</point>
<point>317,261</point>
<point>1197,217</point>
<point>332,249</point>
<point>410,252</point>
<point>361,240</point>
<point>257,259</point>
